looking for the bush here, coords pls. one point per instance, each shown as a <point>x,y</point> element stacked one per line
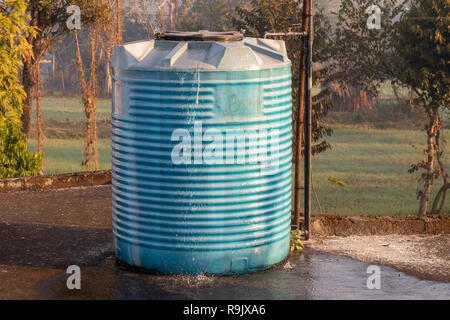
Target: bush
<point>15,160</point>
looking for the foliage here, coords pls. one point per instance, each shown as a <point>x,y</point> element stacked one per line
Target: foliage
<point>280,16</point>
<point>208,15</point>
<point>296,242</point>
<point>361,57</point>
<point>15,160</point>
<point>13,46</point>
<point>48,18</point>
<point>422,47</point>
<point>340,185</point>
<point>365,56</point>
<point>411,50</point>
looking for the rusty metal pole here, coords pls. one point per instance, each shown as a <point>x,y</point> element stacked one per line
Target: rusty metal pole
<point>308,125</point>
<point>300,117</point>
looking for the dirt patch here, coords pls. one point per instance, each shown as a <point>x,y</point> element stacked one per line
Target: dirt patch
<point>344,226</point>
<point>70,180</point>
<point>426,257</point>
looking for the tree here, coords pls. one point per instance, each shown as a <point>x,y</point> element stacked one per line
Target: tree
<point>142,13</point>
<point>280,16</point>
<point>89,85</point>
<point>156,15</point>
<point>15,160</point>
<point>362,55</point>
<point>111,34</point>
<point>421,44</point>
<point>410,49</point>
<point>48,18</point>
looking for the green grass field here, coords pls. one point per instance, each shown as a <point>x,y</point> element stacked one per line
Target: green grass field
<point>373,163</point>
<point>59,108</point>
<point>66,155</point>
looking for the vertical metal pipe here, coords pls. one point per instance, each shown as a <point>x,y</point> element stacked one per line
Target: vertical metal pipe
<point>300,116</point>
<point>308,125</point>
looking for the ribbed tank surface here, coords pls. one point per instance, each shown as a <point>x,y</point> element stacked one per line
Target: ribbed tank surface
<point>201,155</point>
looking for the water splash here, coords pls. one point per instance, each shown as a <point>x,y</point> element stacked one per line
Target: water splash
<point>196,281</point>
<point>289,266</point>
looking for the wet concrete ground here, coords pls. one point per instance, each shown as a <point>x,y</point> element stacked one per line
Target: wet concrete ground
<point>309,275</point>
<point>41,234</point>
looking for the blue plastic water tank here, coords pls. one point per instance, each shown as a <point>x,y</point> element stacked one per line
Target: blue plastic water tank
<point>201,155</point>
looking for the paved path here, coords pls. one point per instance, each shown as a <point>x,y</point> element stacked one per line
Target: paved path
<point>86,207</point>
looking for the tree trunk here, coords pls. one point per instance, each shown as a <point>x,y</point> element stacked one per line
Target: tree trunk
<point>88,95</point>
<point>29,82</point>
<point>94,89</point>
<point>40,133</point>
<point>87,103</point>
<point>439,201</point>
<point>63,85</point>
<point>430,178</point>
<point>172,15</point>
<point>108,80</point>
<point>53,70</point>
<point>119,31</point>
<point>29,74</point>
<point>38,114</point>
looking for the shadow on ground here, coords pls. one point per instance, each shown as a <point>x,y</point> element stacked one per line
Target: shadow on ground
<point>53,247</point>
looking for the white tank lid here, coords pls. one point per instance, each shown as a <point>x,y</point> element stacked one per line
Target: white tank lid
<point>203,50</point>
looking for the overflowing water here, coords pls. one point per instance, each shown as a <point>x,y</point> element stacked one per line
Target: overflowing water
<point>309,275</point>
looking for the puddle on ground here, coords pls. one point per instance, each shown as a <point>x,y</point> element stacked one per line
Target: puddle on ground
<point>309,275</point>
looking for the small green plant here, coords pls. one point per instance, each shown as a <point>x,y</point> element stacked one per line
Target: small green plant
<point>15,159</point>
<point>296,243</point>
<point>340,184</point>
